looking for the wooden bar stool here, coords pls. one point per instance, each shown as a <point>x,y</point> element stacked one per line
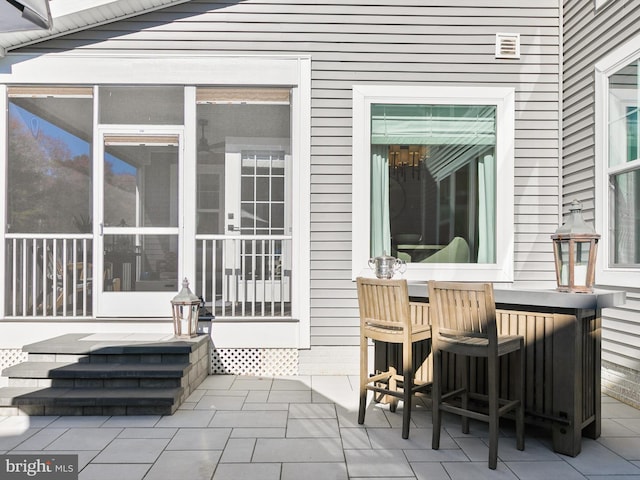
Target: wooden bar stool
<point>463,319</point>
<point>386,316</point>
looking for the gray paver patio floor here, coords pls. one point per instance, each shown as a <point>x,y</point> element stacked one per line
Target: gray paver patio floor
<point>290,428</point>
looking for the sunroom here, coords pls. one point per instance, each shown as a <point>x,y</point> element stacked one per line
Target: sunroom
<point>118,187</point>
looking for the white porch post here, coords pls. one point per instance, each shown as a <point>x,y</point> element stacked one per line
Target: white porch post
<point>3,182</point>
<point>187,207</point>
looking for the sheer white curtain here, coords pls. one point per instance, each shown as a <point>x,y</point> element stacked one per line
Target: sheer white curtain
<point>486,210</point>
<point>380,223</point>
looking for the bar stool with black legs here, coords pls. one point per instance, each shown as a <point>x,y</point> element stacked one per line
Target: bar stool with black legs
<point>463,322</point>
<point>386,315</point>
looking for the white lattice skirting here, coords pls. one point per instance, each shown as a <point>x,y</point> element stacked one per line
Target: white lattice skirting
<point>235,361</point>
<point>254,361</point>
<point>11,356</point>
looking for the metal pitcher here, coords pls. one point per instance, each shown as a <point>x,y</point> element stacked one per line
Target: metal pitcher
<point>386,266</point>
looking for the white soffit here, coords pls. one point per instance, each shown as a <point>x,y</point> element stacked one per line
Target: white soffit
<point>19,15</point>
<point>70,16</point>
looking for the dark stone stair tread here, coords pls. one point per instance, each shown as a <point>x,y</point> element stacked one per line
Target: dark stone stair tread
<point>12,396</point>
<point>53,370</point>
<point>15,396</point>
<point>73,344</point>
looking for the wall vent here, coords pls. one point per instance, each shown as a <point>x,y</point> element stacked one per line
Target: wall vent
<point>507,45</point>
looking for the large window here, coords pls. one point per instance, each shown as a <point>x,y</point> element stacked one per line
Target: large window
<point>244,167</point>
<point>49,186</point>
<point>618,192</point>
<point>439,188</point>
<point>244,160</point>
<point>433,182</point>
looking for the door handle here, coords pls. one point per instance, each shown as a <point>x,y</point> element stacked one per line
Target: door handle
<point>233,228</point>
<point>101,229</point>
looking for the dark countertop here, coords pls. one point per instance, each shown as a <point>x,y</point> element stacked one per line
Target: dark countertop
<point>542,298</point>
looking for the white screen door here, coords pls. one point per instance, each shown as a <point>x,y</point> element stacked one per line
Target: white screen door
<point>140,240</point>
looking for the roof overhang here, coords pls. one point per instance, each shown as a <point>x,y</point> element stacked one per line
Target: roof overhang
<point>19,15</point>
<point>63,17</point>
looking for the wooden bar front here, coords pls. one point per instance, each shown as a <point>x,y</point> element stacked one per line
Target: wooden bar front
<point>562,354</point>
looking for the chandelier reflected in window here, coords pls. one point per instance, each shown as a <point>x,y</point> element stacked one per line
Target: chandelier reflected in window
<point>407,160</point>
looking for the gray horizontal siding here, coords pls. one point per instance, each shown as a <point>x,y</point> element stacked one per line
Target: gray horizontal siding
<point>378,42</point>
<point>587,37</point>
<point>621,332</point>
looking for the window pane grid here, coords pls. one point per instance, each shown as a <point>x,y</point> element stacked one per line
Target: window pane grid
<point>624,168</point>
<point>262,192</point>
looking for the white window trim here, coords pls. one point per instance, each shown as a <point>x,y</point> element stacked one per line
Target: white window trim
<point>607,66</point>
<point>504,100</point>
<point>114,68</point>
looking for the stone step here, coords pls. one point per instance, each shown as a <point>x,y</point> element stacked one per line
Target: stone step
<point>89,401</point>
<point>105,374</point>
<point>85,344</point>
<point>62,370</point>
<point>133,358</point>
<point>97,383</point>
<point>96,375</point>
<point>86,348</point>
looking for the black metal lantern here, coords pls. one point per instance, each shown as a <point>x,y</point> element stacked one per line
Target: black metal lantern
<point>186,308</point>
<point>575,247</point>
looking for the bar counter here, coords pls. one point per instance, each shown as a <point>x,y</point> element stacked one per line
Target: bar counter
<point>563,357</point>
<point>599,299</point>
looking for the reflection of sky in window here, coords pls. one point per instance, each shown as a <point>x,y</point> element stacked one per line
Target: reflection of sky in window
<point>120,167</point>
<point>76,145</point>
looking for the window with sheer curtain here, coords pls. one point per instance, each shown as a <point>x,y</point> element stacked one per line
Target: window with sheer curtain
<point>439,179</point>
<point>433,182</point>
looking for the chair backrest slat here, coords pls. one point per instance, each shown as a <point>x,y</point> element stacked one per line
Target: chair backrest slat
<point>461,308</point>
<point>383,302</point>
<point>419,313</point>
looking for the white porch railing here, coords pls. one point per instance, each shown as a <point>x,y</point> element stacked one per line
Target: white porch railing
<point>48,275</point>
<point>245,276</point>
<point>51,276</point>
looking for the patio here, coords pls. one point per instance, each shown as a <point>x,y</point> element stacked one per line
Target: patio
<point>240,427</point>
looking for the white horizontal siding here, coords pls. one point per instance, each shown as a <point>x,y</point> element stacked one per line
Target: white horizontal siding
<point>587,37</point>
<point>621,332</point>
<point>378,42</point>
